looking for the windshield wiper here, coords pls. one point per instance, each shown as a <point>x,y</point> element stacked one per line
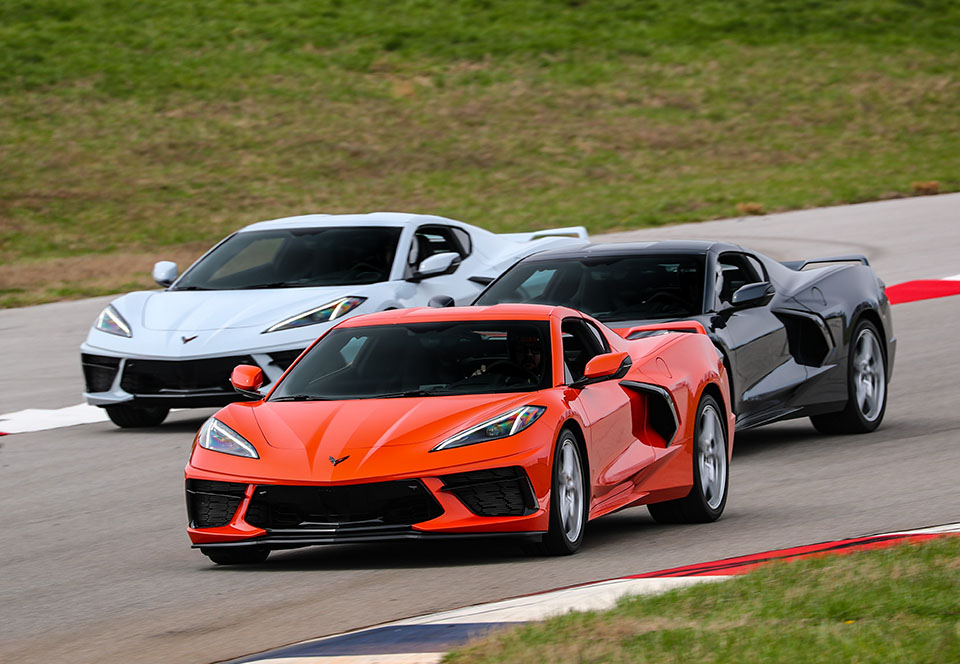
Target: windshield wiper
<point>179,288</point>
<point>408,393</point>
<point>301,397</point>
<point>275,284</point>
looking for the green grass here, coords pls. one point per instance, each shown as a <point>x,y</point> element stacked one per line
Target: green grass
<point>147,129</point>
<point>893,605</point>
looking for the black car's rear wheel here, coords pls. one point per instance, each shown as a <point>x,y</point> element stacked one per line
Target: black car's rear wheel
<point>133,417</point>
<point>711,474</point>
<point>866,386</point>
<point>236,556</point>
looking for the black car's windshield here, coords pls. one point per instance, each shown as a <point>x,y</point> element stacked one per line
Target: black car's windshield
<point>608,288</point>
<point>422,359</point>
<point>289,258</point>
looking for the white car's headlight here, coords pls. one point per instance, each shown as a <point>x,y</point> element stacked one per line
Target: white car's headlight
<point>501,426</point>
<point>327,312</point>
<point>111,322</point>
<point>218,437</point>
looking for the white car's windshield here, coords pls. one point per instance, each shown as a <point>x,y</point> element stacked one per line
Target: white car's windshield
<point>422,359</point>
<point>289,258</point>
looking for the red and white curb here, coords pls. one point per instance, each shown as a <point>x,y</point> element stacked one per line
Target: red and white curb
<point>425,639</point>
<point>923,289</point>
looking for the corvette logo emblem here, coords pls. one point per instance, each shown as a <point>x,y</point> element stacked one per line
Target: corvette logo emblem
<point>187,340</point>
<point>338,461</point>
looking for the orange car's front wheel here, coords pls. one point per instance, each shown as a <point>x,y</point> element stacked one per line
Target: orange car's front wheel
<point>569,499</point>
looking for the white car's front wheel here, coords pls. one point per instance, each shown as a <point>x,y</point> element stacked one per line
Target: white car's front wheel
<point>127,416</point>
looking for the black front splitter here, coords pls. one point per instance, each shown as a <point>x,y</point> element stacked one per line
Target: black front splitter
<point>286,541</point>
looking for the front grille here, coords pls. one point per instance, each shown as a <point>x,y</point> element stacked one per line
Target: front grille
<point>402,502</point>
<point>493,492</point>
<point>212,504</point>
<point>181,376</point>
<point>284,358</point>
<point>99,371</point>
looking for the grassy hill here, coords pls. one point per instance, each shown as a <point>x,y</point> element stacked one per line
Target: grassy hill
<point>133,132</point>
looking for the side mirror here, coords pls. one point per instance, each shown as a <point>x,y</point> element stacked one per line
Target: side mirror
<point>753,295</point>
<point>247,380</point>
<point>164,272</point>
<point>441,301</point>
<point>603,367</point>
<point>435,265</point>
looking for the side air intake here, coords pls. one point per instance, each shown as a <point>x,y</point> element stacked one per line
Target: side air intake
<point>661,412</point>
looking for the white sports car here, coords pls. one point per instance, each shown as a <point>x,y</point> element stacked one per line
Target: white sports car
<point>264,293</point>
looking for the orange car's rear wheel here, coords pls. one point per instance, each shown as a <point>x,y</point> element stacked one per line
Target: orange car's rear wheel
<point>711,475</point>
<point>569,499</point>
<point>252,555</point>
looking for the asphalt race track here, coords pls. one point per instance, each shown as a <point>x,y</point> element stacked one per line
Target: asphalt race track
<point>96,566</point>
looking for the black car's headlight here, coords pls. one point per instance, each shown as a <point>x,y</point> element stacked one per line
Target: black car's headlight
<point>218,437</point>
<point>111,322</point>
<point>501,426</point>
<point>323,314</point>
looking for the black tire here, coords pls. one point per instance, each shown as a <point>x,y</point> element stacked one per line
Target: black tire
<point>558,541</point>
<point>134,417</point>
<point>252,555</point>
<point>863,377</point>
<point>702,505</point>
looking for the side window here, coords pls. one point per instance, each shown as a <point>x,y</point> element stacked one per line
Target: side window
<point>758,267</point>
<point>431,240</point>
<point>736,270</point>
<point>580,345</point>
<point>597,336</point>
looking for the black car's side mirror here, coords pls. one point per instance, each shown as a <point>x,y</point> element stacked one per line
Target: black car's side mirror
<point>752,295</point>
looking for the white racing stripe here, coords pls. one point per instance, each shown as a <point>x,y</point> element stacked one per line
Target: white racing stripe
<point>41,419</point>
<point>955,277</point>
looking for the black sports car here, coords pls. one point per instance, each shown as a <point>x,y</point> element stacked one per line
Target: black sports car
<point>806,338</point>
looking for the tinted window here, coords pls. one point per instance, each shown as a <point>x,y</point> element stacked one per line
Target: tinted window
<point>608,288</point>
<point>296,257</point>
<point>423,359</point>
<point>736,270</point>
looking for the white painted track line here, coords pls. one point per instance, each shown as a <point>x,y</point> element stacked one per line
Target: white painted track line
<point>41,419</point>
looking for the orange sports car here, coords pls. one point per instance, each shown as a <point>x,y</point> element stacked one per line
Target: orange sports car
<point>514,419</point>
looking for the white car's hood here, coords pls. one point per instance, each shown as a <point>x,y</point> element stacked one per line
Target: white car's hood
<point>213,310</point>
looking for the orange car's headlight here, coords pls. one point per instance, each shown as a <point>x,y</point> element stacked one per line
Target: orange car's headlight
<point>218,437</point>
<point>501,426</point>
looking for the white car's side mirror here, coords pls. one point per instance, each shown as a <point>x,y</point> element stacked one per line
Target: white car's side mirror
<point>164,272</point>
<point>436,264</point>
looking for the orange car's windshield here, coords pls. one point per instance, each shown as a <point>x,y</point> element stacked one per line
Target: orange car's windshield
<point>422,359</point>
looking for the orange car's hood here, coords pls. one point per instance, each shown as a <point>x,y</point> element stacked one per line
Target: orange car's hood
<point>317,430</point>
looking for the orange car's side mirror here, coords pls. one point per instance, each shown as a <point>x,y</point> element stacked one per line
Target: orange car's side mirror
<point>604,366</point>
<point>247,379</point>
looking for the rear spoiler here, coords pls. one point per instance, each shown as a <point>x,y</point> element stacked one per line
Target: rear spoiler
<point>848,258</point>
<point>578,232</point>
<point>653,329</point>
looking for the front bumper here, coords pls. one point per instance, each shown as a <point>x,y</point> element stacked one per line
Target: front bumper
<point>481,501</point>
<point>180,383</point>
